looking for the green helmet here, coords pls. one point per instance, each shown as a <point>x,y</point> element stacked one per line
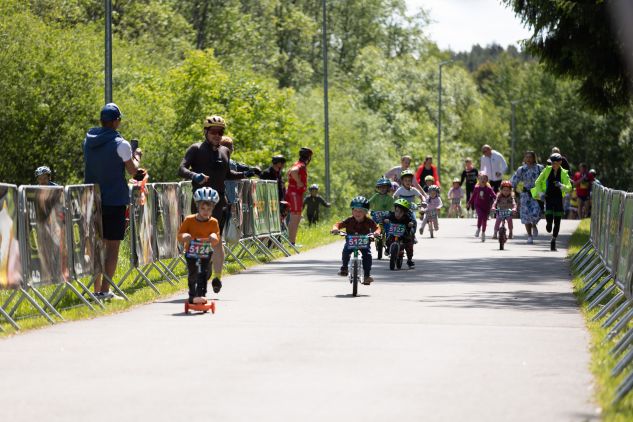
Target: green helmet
<point>360,202</point>
<point>406,173</point>
<point>429,178</point>
<point>383,181</point>
<point>403,203</point>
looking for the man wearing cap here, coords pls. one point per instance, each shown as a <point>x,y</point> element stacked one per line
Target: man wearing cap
<point>207,164</point>
<point>106,158</point>
<point>297,185</point>
<point>493,165</point>
<point>274,173</point>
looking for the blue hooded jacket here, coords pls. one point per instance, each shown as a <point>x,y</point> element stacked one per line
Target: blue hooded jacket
<point>104,167</point>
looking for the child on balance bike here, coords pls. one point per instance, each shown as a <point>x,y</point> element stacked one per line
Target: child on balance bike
<point>401,215</point>
<point>381,204</point>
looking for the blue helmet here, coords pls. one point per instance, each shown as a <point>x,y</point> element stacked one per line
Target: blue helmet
<point>383,181</point>
<point>360,202</point>
<point>207,195</point>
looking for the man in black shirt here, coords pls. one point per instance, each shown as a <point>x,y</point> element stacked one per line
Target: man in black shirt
<point>208,164</point>
<point>470,175</point>
<point>274,173</point>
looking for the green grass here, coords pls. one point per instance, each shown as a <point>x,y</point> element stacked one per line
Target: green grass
<point>140,293</point>
<point>601,361</point>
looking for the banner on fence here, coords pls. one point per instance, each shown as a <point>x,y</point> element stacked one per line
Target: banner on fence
<point>596,204</point>
<point>186,197</point>
<point>614,229</point>
<point>273,198</point>
<point>167,218</point>
<point>142,236</point>
<point>10,260</point>
<point>260,213</point>
<point>604,224</point>
<point>247,209</point>
<point>85,232</point>
<point>623,274</point>
<point>42,209</point>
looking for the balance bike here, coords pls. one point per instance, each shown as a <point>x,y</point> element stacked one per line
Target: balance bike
<point>381,242</point>
<point>503,237</point>
<point>395,232</point>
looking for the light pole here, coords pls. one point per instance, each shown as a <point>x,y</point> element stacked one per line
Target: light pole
<point>439,120</point>
<point>108,51</point>
<point>325,106</point>
<point>513,105</point>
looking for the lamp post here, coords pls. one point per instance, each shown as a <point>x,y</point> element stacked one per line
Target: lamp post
<point>513,105</point>
<point>325,106</point>
<point>108,51</point>
<point>439,119</point>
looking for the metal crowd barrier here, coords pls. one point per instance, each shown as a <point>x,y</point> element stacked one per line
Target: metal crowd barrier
<point>51,240</point>
<point>605,263</point>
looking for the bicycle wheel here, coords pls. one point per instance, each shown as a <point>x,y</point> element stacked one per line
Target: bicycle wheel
<point>502,237</point>
<point>394,251</point>
<point>399,263</point>
<point>379,248</point>
<point>355,278</point>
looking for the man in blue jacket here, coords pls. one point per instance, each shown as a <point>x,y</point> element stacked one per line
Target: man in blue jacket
<point>106,158</point>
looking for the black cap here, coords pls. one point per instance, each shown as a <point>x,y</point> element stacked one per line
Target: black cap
<point>279,159</point>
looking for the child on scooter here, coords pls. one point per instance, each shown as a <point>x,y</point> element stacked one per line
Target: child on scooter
<point>504,201</point>
<point>481,200</point>
<point>358,223</point>
<point>401,215</point>
<point>455,194</point>
<point>203,227</point>
<point>433,207</point>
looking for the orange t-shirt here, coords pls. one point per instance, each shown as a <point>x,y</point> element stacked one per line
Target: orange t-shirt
<point>199,229</point>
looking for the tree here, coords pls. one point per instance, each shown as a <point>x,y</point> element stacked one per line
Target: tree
<point>579,39</point>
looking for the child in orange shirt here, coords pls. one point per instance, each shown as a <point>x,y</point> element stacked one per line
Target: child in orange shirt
<point>201,227</point>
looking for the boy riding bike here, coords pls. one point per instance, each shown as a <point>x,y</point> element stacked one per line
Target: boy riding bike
<point>381,204</point>
<point>201,227</point>
<point>401,215</point>
<point>408,192</point>
<point>358,223</point>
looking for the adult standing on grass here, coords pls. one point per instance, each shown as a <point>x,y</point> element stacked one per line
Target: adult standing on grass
<point>107,155</point>
<point>529,207</point>
<point>207,164</point>
<point>493,165</point>
<point>297,186</point>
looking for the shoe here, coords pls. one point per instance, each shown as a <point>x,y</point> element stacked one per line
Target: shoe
<point>216,284</point>
<point>548,227</point>
<point>108,296</point>
<point>552,244</point>
<point>483,236</point>
<point>477,233</point>
<point>367,280</point>
<point>410,263</point>
<point>534,230</point>
<point>343,272</point>
<point>510,235</point>
<point>421,230</point>
<point>530,240</point>
<point>199,300</point>
<point>415,241</point>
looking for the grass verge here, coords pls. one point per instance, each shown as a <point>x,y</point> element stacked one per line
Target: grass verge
<point>139,294</point>
<point>601,361</point>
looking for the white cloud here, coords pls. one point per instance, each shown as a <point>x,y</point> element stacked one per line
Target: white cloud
<point>458,24</point>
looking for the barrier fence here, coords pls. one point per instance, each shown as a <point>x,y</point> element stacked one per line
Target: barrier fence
<point>51,247</point>
<point>605,263</point>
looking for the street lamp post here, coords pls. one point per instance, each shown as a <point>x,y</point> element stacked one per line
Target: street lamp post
<point>513,105</point>
<point>439,120</point>
<point>325,106</point>
<point>108,51</point>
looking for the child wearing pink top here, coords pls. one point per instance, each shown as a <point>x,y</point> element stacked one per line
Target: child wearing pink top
<point>481,200</point>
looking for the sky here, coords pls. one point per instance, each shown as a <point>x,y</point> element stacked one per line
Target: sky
<point>458,24</point>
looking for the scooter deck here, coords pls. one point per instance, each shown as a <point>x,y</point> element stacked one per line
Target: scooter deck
<point>202,307</point>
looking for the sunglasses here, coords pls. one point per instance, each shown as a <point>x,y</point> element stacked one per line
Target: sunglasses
<point>216,131</point>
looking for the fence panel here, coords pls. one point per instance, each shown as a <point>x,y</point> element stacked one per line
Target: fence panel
<point>625,267</point>
<point>260,217</point>
<point>142,235</point>
<point>615,214</point>
<point>186,197</point>
<point>247,208</point>
<point>10,257</point>
<point>604,225</point>
<point>167,218</point>
<point>42,210</point>
<point>596,205</point>
<point>85,232</point>
<point>273,197</point>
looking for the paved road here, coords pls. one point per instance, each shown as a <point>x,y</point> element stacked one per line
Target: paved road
<point>472,334</point>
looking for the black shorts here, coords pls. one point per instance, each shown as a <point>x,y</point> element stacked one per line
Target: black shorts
<point>113,218</point>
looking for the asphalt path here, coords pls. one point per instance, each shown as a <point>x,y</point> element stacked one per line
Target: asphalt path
<point>472,334</point>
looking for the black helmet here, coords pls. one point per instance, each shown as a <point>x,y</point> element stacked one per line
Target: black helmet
<point>305,154</point>
<point>360,202</point>
<point>279,159</point>
<point>556,157</point>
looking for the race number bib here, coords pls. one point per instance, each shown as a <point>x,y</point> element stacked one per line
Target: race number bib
<point>357,242</point>
<point>396,230</point>
<point>379,216</point>
<point>199,249</point>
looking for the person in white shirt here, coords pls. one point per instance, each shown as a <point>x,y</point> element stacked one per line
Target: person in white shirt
<point>395,172</point>
<point>493,165</point>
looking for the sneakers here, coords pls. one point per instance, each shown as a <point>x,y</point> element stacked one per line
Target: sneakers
<point>421,230</point>
<point>367,280</point>
<point>552,244</point>
<point>477,233</point>
<point>199,300</point>
<point>510,235</point>
<point>107,296</point>
<point>548,227</point>
<point>534,230</point>
<point>216,284</point>
<point>483,236</point>
<point>343,272</point>
<point>410,263</point>
<point>530,240</point>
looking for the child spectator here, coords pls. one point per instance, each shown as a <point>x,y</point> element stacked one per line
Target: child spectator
<point>470,176</point>
<point>312,202</point>
<point>43,176</point>
<point>433,207</point>
<point>481,201</point>
<point>202,227</point>
<point>505,201</point>
<point>358,223</point>
<point>455,195</point>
